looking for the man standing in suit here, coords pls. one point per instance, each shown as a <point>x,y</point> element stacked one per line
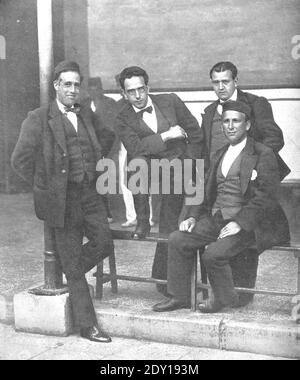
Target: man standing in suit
<point>159,126</point>
<point>57,152</point>
<point>240,208</point>
<point>224,78</point>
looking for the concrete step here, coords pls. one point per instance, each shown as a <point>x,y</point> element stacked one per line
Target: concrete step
<point>265,327</point>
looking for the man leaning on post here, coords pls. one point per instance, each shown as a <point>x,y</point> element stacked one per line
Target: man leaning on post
<point>57,152</point>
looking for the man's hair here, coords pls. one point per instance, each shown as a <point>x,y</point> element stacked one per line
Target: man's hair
<point>66,66</point>
<point>224,66</point>
<point>133,71</point>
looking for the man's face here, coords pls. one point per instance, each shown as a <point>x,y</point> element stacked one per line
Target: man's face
<point>223,84</point>
<point>235,126</point>
<point>136,92</point>
<point>67,88</point>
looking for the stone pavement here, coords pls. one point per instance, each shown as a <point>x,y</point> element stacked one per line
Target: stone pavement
<point>265,327</point>
<point>23,346</point>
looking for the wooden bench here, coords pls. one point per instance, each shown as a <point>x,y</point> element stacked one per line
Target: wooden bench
<point>196,285</point>
<point>202,285</point>
<point>113,277</point>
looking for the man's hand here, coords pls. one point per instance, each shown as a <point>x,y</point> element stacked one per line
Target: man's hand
<point>230,229</point>
<point>173,133</point>
<point>187,225</point>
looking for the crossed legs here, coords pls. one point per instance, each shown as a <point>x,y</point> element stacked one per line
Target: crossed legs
<point>216,257</point>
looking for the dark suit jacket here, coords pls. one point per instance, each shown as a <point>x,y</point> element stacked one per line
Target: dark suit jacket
<point>41,157</point>
<point>261,213</point>
<point>263,127</point>
<point>143,142</point>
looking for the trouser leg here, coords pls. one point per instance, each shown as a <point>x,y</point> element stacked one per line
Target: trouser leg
<point>105,200</point>
<point>69,248</point>
<point>142,208</point>
<point>244,272</point>
<point>96,229</point>
<point>216,259</point>
<point>182,247</point>
<point>171,206</point>
<point>85,215</point>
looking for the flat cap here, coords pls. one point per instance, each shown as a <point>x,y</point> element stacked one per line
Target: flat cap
<point>66,66</point>
<point>237,106</point>
<point>95,81</point>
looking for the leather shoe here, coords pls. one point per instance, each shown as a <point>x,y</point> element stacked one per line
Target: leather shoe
<point>141,231</point>
<point>95,334</point>
<point>210,306</point>
<point>170,305</point>
<point>213,306</point>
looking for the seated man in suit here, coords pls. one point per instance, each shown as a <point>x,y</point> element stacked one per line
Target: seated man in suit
<point>240,208</point>
<point>156,126</point>
<point>224,79</point>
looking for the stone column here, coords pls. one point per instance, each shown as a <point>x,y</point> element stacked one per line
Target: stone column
<point>45,41</point>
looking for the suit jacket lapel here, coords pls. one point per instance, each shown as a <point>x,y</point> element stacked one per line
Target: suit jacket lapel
<point>249,160</point>
<point>241,96</point>
<point>207,122</point>
<point>134,122</point>
<point>85,115</point>
<point>56,125</point>
<point>164,106</point>
<point>211,183</point>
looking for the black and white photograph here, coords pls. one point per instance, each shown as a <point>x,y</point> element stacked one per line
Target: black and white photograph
<point>149,182</point>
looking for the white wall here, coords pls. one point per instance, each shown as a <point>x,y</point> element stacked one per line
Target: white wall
<point>286,109</point>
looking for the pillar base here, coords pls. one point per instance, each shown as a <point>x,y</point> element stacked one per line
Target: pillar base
<point>48,315</point>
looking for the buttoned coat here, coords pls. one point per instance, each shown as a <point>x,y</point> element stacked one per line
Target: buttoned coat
<point>41,157</point>
<point>263,126</point>
<point>261,212</point>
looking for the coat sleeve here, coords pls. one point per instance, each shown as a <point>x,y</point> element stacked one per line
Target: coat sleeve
<point>106,136</point>
<point>270,133</point>
<point>195,147</point>
<point>136,146</point>
<point>264,191</point>
<point>28,145</point>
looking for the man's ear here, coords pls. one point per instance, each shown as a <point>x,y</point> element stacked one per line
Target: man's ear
<point>236,81</point>
<point>248,126</point>
<point>56,84</point>
<point>124,94</point>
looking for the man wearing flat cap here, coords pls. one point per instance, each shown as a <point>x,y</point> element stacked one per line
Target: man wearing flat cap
<point>57,152</point>
<point>240,209</point>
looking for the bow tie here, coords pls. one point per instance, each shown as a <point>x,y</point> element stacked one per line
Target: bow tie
<point>148,109</point>
<point>220,107</point>
<point>75,109</point>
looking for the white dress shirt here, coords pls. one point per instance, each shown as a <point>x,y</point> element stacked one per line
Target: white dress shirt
<point>70,115</point>
<point>220,105</point>
<point>93,106</point>
<point>231,155</point>
<point>149,118</point>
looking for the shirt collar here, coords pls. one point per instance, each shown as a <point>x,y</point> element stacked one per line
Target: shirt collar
<point>60,106</point>
<point>233,97</point>
<point>149,103</point>
<point>239,147</point>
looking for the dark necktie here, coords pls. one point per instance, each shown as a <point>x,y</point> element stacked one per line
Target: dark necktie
<point>75,109</point>
<point>148,109</point>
